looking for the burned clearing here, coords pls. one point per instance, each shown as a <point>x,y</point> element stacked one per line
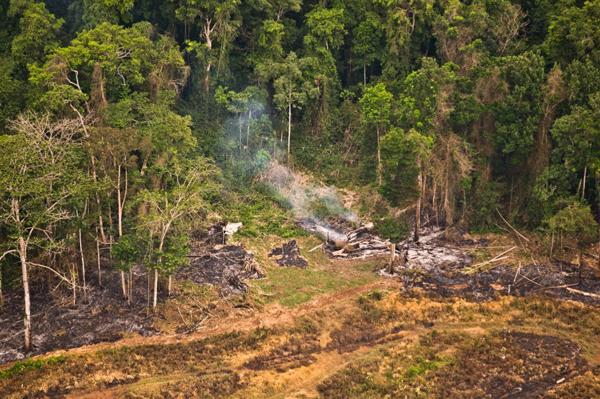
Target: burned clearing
<point>215,262</point>
<point>428,321</point>
<point>104,316</point>
<point>379,344</point>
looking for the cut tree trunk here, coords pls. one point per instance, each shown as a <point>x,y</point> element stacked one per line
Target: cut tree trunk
<point>392,258</point>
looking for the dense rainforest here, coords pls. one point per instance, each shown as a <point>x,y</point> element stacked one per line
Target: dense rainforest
<point>125,124</point>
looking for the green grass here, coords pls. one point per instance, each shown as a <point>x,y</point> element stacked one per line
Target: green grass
<point>423,366</point>
<point>291,286</point>
<point>24,366</point>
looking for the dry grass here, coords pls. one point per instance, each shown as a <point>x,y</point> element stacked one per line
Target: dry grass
<point>335,330</point>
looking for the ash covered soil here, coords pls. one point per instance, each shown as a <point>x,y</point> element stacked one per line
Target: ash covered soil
<point>437,324</point>
<point>58,324</point>
<point>105,316</point>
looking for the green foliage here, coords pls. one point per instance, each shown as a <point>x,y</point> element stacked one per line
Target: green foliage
<point>38,34</point>
<point>368,40</point>
<point>376,104</point>
<point>129,250</point>
<point>487,196</point>
<point>423,366</point>
<point>262,214</point>
<point>518,114</point>
<point>392,228</point>
<point>574,32</point>
<point>24,366</point>
<point>575,222</point>
<point>174,254</point>
<point>401,155</point>
<point>325,27</point>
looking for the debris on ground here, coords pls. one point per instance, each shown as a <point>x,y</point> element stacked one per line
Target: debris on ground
<point>232,228</point>
<point>289,255</point>
<point>430,252</point>
<point>226,266</point>
<point>558,281</point>
<point>58,324</point>
<point>510,364</point>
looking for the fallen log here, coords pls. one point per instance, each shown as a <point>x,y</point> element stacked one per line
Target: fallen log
<point>584,293</point>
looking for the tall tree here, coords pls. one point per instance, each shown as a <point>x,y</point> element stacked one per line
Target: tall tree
<point>291,90</point>
<point>182,194</point>
<point>37,178</point>
<point>376,107</point>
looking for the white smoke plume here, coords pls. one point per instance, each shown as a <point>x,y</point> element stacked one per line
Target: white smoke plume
<point>302,195</point>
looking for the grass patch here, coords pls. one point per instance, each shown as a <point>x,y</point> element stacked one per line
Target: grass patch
<point>24,366</point>
<point>291,286</point>
<point>423,366</point>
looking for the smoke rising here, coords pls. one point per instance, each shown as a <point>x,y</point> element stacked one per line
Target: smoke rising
<point>310,203</point>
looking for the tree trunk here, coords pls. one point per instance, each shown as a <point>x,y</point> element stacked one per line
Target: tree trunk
<point>240,129</point>
<point>74,282</point>
<point>379,170</point>
<point>448,209</point>
<point>392,259</point>
<point>579,257</point>
<point>123,284</point>
<point>82,266</point>
<point>584,181</point>
<point>155,294</point>
<point>365,74</point>
<point>160,249</point>
<point>98,202</point>
<point>130,287</point>
<point>289,137</point>
<point>169,286</point>
<point>119,204</point>
<point>248,130</point>
<point>434,204</point>
<point>26,298</point>
<point>418,207</point>
<point>208,29</point>
<point>98,259</point>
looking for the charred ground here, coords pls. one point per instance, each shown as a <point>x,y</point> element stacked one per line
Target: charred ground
<point>338,329</point>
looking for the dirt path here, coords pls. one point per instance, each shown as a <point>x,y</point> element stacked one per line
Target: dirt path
<point>365,337</point>
<point>272,315</point>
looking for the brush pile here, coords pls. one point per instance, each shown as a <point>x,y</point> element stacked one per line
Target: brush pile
<point>289,255</point>
<point>345,242</point>
<point>213,261</point>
